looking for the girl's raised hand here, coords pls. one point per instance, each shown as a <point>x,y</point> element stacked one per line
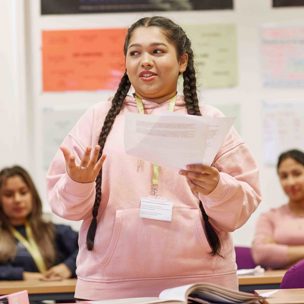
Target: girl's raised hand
<point>201,178</point>
<point>89,167</point>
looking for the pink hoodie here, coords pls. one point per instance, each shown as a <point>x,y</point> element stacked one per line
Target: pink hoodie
<point>136,257</point>
<point>275,231</point>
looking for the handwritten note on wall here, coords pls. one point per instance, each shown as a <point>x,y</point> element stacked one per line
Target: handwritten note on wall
<point>283,56</point>
<point>283,128</point>
<point>80,60</point>
<point>215,50</point>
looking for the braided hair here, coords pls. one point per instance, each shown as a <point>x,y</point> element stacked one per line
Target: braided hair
<point>176,35</point>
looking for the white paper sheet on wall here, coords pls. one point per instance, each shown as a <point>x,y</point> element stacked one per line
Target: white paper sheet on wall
<point>215,50</point>
<point>283,128</point>
<point>57,122</point>
<point>282,56</point>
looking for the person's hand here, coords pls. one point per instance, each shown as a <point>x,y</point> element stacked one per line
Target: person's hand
<point>58,272</point>
<point>201,178</point>
<point>32,276</point>
<point>89,167</point>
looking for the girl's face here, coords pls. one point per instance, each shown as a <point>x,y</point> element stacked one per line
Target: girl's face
<point>291,174</point>
<point>16,200</point>
<point>152,64</point>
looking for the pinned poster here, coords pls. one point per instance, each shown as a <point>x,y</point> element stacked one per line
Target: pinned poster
<point>109,6</point>
<point>82,60</point>
<point>57,123</point>
<point>287,3</point>
<point>215,51</point>
<point>283,128</point>
<point>282,56</point>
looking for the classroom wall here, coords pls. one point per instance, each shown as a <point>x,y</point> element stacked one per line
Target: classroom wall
<point>14,108</point>
<point>23,102</point>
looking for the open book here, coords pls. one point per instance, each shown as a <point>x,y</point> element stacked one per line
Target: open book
<point>199,293</point>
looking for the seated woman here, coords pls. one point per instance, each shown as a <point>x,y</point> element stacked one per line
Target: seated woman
<point>30,247</point>
<point>279,236</point>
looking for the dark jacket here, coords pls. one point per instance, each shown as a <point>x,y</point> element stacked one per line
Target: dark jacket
<point>66,241</point>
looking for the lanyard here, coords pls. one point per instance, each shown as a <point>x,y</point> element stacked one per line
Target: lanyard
<point>31,246</point>
<point>155,168</point>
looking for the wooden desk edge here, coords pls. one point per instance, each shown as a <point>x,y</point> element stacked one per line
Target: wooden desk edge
<point>38,287</point>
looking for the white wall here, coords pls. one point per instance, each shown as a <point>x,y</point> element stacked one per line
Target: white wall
<point>15,142</point>
<point>21,106</point>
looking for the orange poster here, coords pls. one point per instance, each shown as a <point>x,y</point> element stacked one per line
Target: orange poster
<point>82,60</point>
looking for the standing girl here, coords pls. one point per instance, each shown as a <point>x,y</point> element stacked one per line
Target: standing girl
<point>125,255</point>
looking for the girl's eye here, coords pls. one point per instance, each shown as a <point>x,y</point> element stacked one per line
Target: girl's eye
<point>8,194</point>
<point>133,53</point>
<point>157,51</point>
<point>297,173</point>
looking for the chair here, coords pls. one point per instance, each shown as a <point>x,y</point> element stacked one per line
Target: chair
<point>294,276</point>
<point>244,259</point>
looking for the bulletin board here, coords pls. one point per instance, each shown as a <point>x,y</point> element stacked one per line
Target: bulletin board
<point>232,48</point>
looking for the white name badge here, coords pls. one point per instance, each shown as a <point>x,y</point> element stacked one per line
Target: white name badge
<point>156,208</point>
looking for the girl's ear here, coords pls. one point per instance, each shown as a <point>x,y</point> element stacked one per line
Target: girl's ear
<point>183,62</point>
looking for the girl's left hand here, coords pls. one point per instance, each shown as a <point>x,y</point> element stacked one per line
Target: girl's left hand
<point>60,271</point>
<point>201,178</point>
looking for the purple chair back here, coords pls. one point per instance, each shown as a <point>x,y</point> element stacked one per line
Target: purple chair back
<point>294,276</point>
<point>244,258</point>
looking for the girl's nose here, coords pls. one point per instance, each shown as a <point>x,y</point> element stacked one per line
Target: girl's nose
<point>17,197</point>
<point>147,61</point>
<point>291,180</point>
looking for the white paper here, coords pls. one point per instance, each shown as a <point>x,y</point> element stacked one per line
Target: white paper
<point>268,294</point>
<point>175,140</point>
<point>251,271</point>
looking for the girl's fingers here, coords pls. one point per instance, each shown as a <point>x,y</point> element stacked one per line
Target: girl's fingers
<point>193,187</point>
<point>69,158</point>
<point>72,162</point>
<point>89,167</point>
<point>200,168</point>
<point>66,154</point>
<point>95,155</point>
<point>86,158</point>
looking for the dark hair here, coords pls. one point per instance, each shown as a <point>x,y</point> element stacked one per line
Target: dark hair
<point>176,35</point>
<point>8,172</point>
<point>295,154</point>
<point>43,232</point>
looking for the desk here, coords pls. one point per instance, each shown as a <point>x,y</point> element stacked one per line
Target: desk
<point>284,296</point>
<point>41,290</point>
<point>270,279</point>
<point>64,290</point>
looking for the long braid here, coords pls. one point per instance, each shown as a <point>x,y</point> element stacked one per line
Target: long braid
<point>192,105</point>
<point>116,107</point>
<point>190,92</point>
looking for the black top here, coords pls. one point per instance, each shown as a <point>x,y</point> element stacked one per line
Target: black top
<point>66,241</point>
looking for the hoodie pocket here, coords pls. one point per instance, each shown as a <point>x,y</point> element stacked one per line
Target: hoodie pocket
<point>145,248</point>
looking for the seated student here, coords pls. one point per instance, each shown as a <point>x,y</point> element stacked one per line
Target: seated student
<point>279,238</point>
<point>30,247</point>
